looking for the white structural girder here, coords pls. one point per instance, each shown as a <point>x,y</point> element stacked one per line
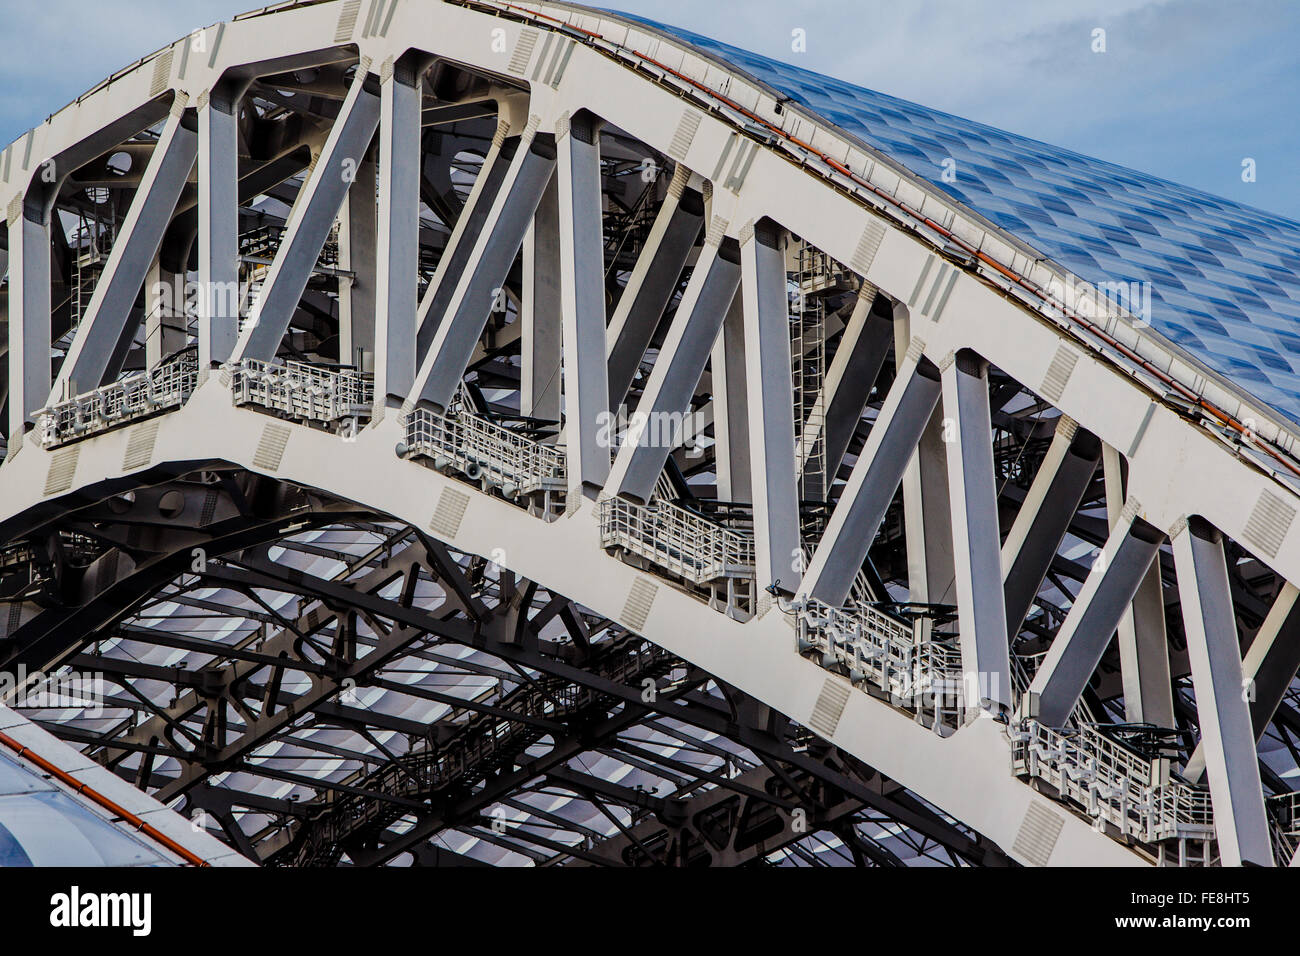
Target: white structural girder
<point>582,303</point>
<point>398,249</point>
<point>851,377</point>
<point>164,313</point>
<point>651,285</point>
<point>730,411</point>
<point>973,498</point>
<point>1267,669</point>
<point>100,332</point>
<point>926,519</point>
<point>358,242</point>
<point>1094,615</point>
<point>465,234</point>
<point>1231,763</point>
<point>218,242</point>
<point>310,221</point>
<point>540,313</point>
<point>479,288</point>
<point>1045,516</point>
<point>657,425</point>
<point>1142,637</point>
<point>758,656</point>
<point>769,386</point>
<point>29,315</point>
<point>874,480</point>
<point>1176,466</point>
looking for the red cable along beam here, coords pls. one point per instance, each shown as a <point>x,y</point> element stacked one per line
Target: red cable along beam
<point>112,806</point>
<point>1248,435</point>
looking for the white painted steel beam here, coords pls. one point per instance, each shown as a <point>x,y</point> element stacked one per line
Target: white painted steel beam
<point>100,332</point>
<point>582,303</point>
<point>972,496</point>
<point>164,313</point>
<point>479,288</point>
<point>29,315</point>
<point>1222,711</point>
<point>1143,642</point>
<point>652,283</point>
<point>398,251</point>
<point>540,313</point>
<point>874,480</point>
<point>218,239</point>
<point>852,375</point>
<point>465,234</point>
<point>1088,628</point>
<point>310,221</point>
<point>659,423</point>
<point>769,391</point>
<point>1268,667</point>
<point>730,408</point>
<point>1044,517</point>
<point>358,242</point>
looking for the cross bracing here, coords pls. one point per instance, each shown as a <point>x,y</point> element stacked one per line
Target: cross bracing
<point>575,453</point>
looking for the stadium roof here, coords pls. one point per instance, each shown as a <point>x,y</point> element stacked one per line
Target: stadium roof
<point>1223,278</point>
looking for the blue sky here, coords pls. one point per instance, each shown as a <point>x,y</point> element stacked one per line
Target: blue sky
<point>1186,89</point>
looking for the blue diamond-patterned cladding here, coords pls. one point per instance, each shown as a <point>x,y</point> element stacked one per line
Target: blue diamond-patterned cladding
<point>1224,278</point>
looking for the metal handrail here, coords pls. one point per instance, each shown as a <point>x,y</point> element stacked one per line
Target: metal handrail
<point>1112,783</point>
<point>1286,811</point>
<point>302,391</point>
<point>677,540</point>
<point>880,650</point>
<point>481,449</point>
<point>131,397</point>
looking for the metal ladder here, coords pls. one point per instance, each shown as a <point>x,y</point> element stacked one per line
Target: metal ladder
<point>808,370</point>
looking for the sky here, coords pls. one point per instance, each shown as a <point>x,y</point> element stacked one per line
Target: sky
<point>1185,89</point>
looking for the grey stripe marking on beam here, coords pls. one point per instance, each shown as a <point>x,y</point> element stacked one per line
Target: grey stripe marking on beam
<point>270,447</point>
<point>449,513</point>
<point>1038,834</point>
<point>1269,522</point>
<point>636,609</point>
<point>920,281</point>
<point>523,52</point>
<point>829,707</point>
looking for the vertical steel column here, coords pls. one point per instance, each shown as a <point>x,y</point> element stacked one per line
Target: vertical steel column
<point>29,313</point>
<point>852,375</point>
<point>1094,615</point>
<point>730,414</point>
<point>358,239</point>
<point>657,426</point>
<point>770,392</point>
<point>654,279</point>
<point>99,333</point>
<point>311,219</point>
<point>398,255</point>
<point>218,238</point>
<point>464,235</point>
<point>479,285</point>
<point>1231,762</point>
<point>972,496</point>
<point>1045,516</point>
<point>164,313</point>
<point>874,480</point>
<point>927,526</point>
<point>1268,666</point>
<point>540,312</point>
<point>1143,644</point>
<point>582,302</point>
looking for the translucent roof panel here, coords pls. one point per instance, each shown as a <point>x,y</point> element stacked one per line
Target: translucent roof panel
<point>41,825</point>
<point>1224,279</point>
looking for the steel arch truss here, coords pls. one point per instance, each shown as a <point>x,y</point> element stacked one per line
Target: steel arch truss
<point>468,434</point>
